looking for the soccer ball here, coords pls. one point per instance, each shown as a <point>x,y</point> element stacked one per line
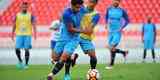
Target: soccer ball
<point>92,74</point>
<point>55,24</point>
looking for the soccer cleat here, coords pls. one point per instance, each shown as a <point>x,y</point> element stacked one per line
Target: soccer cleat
<point>109,67</point>
<point>143,61</point>
<point>26,67</point>
<point>67,77</point>
<point>49,78</point>
<point>125,55</point>
<point>20,65</point>
<point>74,59</point>
<point>154,61</point>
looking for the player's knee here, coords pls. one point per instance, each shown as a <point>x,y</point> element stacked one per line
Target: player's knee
<point>55,58</point>
<point>64,57</point>
<point>26,52</point>
<point>18,51</point>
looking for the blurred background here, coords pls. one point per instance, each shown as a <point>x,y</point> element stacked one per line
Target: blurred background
<point>47,11</point>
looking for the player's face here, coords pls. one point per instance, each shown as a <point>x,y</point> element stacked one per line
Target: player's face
<point>91,4</point>
<point>116,3</point>
<point>76,7</point>
<point>24,8</point>
<point>149,20</point>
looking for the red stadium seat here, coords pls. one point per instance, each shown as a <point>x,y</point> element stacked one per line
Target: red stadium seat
<point>48,10</point>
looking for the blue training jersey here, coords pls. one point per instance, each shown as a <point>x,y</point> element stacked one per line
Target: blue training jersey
<point>148,30</point>
<point>69,17</point>
<point>116,18</point>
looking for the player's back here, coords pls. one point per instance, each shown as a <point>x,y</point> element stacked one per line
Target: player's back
<point>69,17</point>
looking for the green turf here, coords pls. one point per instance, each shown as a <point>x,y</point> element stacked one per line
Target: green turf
<point>120,72</point>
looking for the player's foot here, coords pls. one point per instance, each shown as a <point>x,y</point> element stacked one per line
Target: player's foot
<point>67,77</point>
<point>49,78</point>
<point>125,55</point>
<point>26,67</point>
<point>75,56</point>
<point>154,61</point>
<point>143,61</point>
<point>108,67</point>
<point>20,65</point>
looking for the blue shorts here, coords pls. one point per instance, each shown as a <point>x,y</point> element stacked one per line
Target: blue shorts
<point>66,46</point>
<point>23,42</point>
<point>53,44</point>
<point>148,44</point>
<point>114,38</point>
<point>86,44</point>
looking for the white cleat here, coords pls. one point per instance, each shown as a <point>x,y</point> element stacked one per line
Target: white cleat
<point>109,67</point>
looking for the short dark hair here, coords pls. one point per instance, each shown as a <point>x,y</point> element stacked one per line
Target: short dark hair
<point>95,1</point>
<point>75,2</point>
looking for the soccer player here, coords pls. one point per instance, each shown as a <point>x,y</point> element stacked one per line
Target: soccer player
<point>149,37</point>
<point>117,20</point>
<point>69,38</point>
<point>88,22</point>
<point>55,27</point>
<point>23,24</point>
<point>55,35</point>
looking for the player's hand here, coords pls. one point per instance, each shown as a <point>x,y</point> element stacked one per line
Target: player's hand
<point>87,30</point>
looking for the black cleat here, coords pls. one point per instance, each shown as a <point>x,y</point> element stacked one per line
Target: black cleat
<point>74,59</point>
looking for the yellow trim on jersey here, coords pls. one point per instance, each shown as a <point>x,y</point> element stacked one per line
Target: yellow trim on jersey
<point>23,24</point>
<point>87,22</point>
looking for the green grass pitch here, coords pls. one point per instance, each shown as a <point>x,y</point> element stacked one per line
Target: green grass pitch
<point>148,71</point>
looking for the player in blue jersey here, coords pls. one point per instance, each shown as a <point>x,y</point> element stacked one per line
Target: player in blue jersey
<point>69,38</point>
<point>117,20</point>
<point>149,37</point>
<point>89,20</point>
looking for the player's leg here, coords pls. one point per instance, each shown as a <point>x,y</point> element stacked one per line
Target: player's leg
<point>18,54</point>
<point>144,54</point>
<point>74,57</point>
<point>54,56</point>
<point>27,46</point>
<point>146,46</point>
<point>151,45</point>
<point>153,55</point>
<point>93,58</point>
<point>58,66</point>
<point>19,45</point>
<point>88,48</point>
<point>59,47</point>
<point>69,48</point>
<point>116,41</point>
<point>27,56</point>
<point>112,58</point>
<point>67,69</point>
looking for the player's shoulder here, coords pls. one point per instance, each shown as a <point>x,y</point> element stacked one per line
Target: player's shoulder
<point>67,12</point>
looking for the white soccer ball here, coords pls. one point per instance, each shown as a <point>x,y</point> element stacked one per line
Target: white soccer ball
<point>92,74</point>
<point>55,24</point>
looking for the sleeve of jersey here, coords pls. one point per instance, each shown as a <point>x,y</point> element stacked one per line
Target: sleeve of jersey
<point>95,19</point>
<point>106,16</point>
<point>33,19</point>
<point>126,19</point>
<point>66,18</point>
